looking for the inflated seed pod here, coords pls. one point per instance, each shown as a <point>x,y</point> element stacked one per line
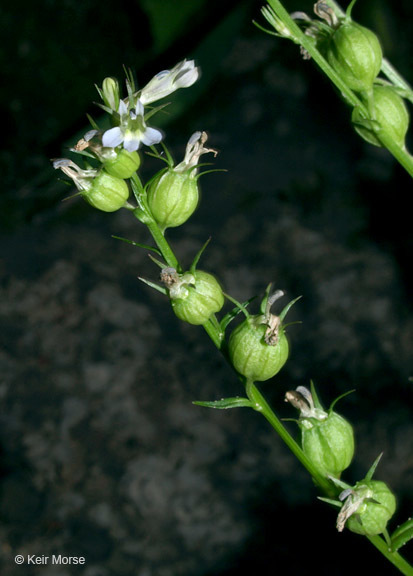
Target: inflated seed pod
<point>252,354</point>
<point>389,114</point>
<point>173,198</point>
<point>123,164</point>
<point>174,195</point>
<point>327,439</point>
<point>194,296</point>
<point>354,52</point>
<point>328,443</point>
<point>100,189</point>
<point>377,506</point>
<point>107,193</point>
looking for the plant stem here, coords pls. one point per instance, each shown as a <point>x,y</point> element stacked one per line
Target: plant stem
<point>213,329</point>
<point>394,557</point>
<point>261,405</point>
<point>400,154</point>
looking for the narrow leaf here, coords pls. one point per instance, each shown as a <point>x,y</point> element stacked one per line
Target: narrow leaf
<point>402,535</point>
<point>198,256</point>
<point>153,285</point>
<point>226,403</point>
<point>229,317</point>
<point>145,246</point>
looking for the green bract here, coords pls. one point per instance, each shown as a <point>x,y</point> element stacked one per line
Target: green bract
<point>197,298</point>
<point>328,443</point>
<point>389,116</point>
<point>378,507</point>
<point>124,165</point>
<point>107,193</point>
<point>355,54</point>
<point>173,198</point>
<point>250,353</point>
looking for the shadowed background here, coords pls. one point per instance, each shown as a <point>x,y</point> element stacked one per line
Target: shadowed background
<point>102,453</point>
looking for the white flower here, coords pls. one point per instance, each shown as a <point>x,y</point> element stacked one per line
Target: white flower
<point>183,75</point>
<point>132,130</point>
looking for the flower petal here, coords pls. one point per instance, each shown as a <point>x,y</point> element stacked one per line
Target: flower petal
<point>152,136</point>
<point>132,141</point>
<point>112,138</point>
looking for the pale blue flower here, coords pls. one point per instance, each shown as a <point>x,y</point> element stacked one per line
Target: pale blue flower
<point>132,130</point>
<point>183,75</point>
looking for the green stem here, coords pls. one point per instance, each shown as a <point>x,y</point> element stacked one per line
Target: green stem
<point>394,557</point>
<point>162,244</point>
<point>261,405</point>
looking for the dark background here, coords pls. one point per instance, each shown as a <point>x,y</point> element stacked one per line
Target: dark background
<point>102,452</point>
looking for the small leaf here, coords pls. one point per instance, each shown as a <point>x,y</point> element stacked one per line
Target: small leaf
<point>330,501</point>
<point>153,285</point>
<point>229,317</point>
<point>226,403</point>
<point>372,470</point>
<point>286,309</point>
<point>334,402</point>
<point>402,535</point>
<point>314,394</point>
<point>198,256</point>
<point>145,246</point>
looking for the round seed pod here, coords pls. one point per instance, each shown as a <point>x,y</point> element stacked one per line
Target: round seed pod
<point>173,198</point>
<point>198,301</point>
<point>390,113</point>
<point>328,443</point>
<point>354,52</point>
<point>107,193</point>
<point>124,165</point>
<point>372,516</point>
<point>250,353</point>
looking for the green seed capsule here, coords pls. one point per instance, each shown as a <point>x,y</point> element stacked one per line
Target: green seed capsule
<point>328,443</point>
<point>107,193</point>
<point>173,198</point>
<point>390,114</point>
<point>250,353</point>
<point>194,297</point>
<point>355,54</point>
<point>124,165</point>
<point>378,506</point>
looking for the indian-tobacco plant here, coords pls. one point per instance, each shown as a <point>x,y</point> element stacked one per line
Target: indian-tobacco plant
<point>257,348</point>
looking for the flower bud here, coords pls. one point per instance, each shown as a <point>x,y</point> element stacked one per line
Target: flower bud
<point>173,196</point>
<point>258,347</point>
<point>110,93</point>
<point>194,296</point>
<point>389,114</point>
<point>367,508</point>
<point>123,164</point>
<point>354,52</point>
<point>327,439</point>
